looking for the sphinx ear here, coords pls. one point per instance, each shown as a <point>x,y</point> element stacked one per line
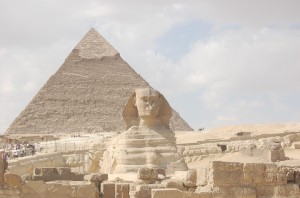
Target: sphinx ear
<point>130,113</point>
<point>165,111</point>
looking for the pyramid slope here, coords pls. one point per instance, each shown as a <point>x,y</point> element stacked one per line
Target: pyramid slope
<point>86,94</point>
<point>93,45</point>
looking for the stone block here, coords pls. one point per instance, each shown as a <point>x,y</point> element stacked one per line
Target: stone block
<point>166,193</point>
<point>34,187</point>
<point>108,190</point>
<point>189,184</point>
<point>7,192</point>
<point>122,190</point>
<point>297,145</point>
<point>243,192</point>
<point>161,171</point>
<point>203,176</point>
<point>188,194</point>
<point>96,178</point>
<point>58,173</point>
<point>275,175</point>
<point>161,177</point>
<point>63,171</point>
<point>58,189</point>
<point>297,177</point>
<point>290,175</point>
<point>143,191</point>
<point>191,178</point>
<point>66,189</point>
<point>3,167</point>
<point>180,175</point>
<point>275,155</point>
<point>289,190</point>
<point>173,183</point>
<point>83,190</point>
<point>228,192</point>
<point>227,173</point>
<point>12,179</point>
<point>282,155</point>
<point>26,177</point>
<point>191,175</point>
<point>253,174</point>
<point>147,174</point>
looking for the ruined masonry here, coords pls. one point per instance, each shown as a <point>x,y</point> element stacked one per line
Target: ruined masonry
<point>86,94</point>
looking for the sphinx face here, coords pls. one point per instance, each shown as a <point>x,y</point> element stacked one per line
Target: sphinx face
<point>148,102</point>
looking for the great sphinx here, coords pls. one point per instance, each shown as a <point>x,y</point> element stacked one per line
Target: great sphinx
<point>148,141</point>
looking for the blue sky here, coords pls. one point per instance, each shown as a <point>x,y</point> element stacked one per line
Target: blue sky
<point>217,62</point>
<point>176,42</point>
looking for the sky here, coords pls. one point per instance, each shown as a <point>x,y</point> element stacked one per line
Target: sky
<point>217,62</point>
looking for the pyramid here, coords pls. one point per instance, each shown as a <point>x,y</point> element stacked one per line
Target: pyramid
<point>86,94</point>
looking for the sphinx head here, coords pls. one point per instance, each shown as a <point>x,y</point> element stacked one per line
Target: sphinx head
<point>146,104</point>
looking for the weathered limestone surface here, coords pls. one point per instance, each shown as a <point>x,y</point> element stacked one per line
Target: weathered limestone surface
<point>241,174</point>
<point>52,174</point>
<point>191,178</point>
<point>3,167</point>
<point>86,94</point>
<point>166,193</point>
<point>78,189</point>
<point>282,191</point>
<point>148,142</point>
<point>96,178</point>
<point>173,183</point>
<point>57,189</point>
<point>250,180</point>
<point>147,174</point>
<point>271,149</point>
<point>27,166</point>
<point>143,191</point>
<point>12,179</point>
<point>34,189</point>
<point>297,145</point>
<point>122,190</point>
<point>10,192</point>
<point>218,180</point>
<point>108,189</point>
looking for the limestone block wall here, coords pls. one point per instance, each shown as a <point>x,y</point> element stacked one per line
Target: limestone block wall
<point>62,189</point>
<point>10,192</point>
<point>223,174</point>
<point>27,165</point>
<point>197,152</point>
<point>231,179</point>
<point>52,182</point>
<point>59,189</point>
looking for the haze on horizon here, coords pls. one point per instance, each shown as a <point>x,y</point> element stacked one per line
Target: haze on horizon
<point>217,63</point>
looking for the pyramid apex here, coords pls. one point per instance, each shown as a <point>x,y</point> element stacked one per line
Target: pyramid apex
<point>94,45</point>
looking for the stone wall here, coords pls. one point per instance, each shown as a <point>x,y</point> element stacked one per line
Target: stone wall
<point>224,180</point>
<point>52,182</point>
<point>198,152</point>
<point>26,165</point>
<point>217,180</point>
<point>233,179</point>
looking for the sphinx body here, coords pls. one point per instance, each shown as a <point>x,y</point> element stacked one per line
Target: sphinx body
<point>148,142</point>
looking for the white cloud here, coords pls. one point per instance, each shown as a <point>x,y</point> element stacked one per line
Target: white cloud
<point>29,87</point>
<point>7,87</point>
<point>244,70</point>
<point>235,73</point>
